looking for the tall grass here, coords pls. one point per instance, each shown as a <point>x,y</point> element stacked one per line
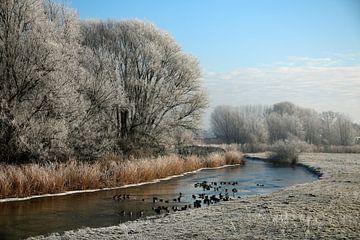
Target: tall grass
<point>111,171</point>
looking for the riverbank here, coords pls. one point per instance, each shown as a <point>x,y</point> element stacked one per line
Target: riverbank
<point>22,182</point>
<point>325,209</point>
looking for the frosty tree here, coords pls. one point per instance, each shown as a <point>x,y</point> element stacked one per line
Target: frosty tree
<point>38,58</point>
<point>92,88</point>
<point>159,85</point>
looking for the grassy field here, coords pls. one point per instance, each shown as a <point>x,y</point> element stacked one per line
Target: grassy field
<point>34,179</point>
<point>325,209</point>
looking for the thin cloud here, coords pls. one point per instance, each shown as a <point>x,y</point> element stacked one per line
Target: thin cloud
<point>319,83</point>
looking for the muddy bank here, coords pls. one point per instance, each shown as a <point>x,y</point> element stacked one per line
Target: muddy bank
<point>325,209</point>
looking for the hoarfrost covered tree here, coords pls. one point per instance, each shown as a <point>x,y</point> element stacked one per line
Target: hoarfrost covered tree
<point>337,129</point>
<point>107,87</point>
<point>223,123</point>
<point>283,122</point>
<point>37,87</point>
<point>239,124</point>
<point>156,87</point>
<point>345,130</point>
<point>255,123</point>
<point>312,126</point>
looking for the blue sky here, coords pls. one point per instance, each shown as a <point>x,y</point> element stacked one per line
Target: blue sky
<point>260,51</point>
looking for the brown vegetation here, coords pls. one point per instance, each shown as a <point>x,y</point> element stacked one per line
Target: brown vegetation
<point>112,171</point>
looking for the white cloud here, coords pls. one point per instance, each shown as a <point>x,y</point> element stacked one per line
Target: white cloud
<point>321,83</point>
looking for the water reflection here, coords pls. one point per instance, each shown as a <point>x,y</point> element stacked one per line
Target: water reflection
<point>52,214</point>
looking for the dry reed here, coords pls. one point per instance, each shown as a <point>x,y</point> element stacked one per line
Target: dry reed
<point>111,171</point>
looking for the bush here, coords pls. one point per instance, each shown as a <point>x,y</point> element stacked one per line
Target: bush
<point>287,151</point>
<point>233,157</point>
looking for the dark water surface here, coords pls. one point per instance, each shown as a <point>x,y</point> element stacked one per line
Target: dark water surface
<point>59,213</point>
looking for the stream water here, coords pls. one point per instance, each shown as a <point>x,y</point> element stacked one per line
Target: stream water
<point>21,219</point>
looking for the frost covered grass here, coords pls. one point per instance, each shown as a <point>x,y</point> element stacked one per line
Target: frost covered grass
<point>112,171</point>
<point>336,149</point>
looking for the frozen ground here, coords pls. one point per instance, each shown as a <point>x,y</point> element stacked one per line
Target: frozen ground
<point>324,209</point>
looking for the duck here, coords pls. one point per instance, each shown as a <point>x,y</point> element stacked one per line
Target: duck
<point>214,199</point>
<point>179,198</point>
<point>207,200</point>
<point>197,204</point>
<point>157,210</point>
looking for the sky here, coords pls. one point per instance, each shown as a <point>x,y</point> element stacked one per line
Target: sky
<point>259,51</point>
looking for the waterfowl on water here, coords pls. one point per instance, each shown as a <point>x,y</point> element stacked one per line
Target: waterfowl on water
<point>197,204</point>
<point>207,200</point>
<point>157,210</point>
<point>214,199</point>
<point>184,208</point>
<point>202,195</point>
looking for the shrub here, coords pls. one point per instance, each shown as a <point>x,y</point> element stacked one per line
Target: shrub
<point>287,151</point>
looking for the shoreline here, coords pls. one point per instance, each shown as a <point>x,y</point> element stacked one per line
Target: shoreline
<point>4,200</point>
<point>261,157</point>
<point>328,208</point>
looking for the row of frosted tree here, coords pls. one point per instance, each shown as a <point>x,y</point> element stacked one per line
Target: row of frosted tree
<point>90,88</point>
<point>282,121</point>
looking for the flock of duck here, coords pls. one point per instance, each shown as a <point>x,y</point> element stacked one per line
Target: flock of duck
<point>221,191</point>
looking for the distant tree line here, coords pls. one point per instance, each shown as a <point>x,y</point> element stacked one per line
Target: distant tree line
<point>90,88</point>
<point>282,121</point>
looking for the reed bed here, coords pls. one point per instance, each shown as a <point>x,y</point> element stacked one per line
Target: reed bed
<point>112,171</point>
